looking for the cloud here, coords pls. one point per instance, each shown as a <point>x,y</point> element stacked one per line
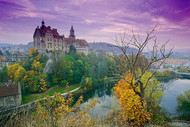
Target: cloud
<point>99,19</point>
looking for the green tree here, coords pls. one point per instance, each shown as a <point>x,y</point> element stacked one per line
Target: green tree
<point>4,74</point>
<point>102,69</point>
<point>183,108</point>
<point>7,53</point>
<point>1,54</point>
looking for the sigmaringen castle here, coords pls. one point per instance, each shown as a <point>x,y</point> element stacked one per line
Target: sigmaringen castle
<point>48,39</point>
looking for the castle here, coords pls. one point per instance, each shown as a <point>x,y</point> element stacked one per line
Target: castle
<point>48,39</point>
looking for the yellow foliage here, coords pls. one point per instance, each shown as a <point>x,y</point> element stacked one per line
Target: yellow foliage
<point>19,74</point>
<point>36,65</point>
<point>32,51</point>
<point>59,112</point>
<point>133,110</point>
<point>44,84</point>
<point>16,72</point>
<point>153,91</point>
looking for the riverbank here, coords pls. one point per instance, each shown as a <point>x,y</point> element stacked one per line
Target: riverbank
<point>31,106</point>
<point>51,91</point>
<point>26,98</point>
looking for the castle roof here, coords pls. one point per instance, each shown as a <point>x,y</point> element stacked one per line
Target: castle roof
<point>43,30</point>
<point>81,42</point>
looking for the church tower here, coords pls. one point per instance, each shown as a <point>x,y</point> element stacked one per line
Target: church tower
<point>72,33</point>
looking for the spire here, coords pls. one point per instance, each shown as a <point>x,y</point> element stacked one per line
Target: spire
<point>43,24</point>
<point>72,32</point>
<point>72,28</point>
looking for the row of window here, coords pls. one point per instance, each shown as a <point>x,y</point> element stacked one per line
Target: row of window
<point>48,39</point>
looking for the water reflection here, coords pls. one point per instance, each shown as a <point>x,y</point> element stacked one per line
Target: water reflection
<point>104,95</point>
<point>176,87</point>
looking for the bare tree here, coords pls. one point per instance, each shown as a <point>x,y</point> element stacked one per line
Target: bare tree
<point>128,61</point>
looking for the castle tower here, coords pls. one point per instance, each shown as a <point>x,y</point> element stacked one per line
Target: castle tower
<point>43,24</point>
<point>72,32</point>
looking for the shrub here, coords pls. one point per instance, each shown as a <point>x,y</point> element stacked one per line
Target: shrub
<point>133,111</point>
<point>64,82</point>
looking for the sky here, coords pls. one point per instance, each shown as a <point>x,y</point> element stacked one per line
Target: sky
<point>96,20</point>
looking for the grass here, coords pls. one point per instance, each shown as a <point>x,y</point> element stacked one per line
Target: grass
<point>51,91</point>
<point>60,89</point>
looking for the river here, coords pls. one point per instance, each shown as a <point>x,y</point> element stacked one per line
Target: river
<point>176,87</point>
<point>106,100</point>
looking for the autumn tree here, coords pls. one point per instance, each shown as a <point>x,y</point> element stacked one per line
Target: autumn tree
<point>16,72</point>
<point>142,83</point>
<point>32,52</point>
<point>130,60</point>
<point>133,111</point>
<point>58,111</point>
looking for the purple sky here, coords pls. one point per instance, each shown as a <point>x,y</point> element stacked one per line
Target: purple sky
<point>96,20</point>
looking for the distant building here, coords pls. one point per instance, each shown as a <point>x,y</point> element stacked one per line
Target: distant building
<point>46,38</point>
<point>176,62</point>
<point>10,95</point>
<point>10,59</point>
<point>4,62</point>
<point>18,56</point>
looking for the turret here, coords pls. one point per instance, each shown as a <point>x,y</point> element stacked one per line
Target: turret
<point>43,24</point>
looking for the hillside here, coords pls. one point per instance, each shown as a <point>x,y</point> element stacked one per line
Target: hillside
<point>108,47</point>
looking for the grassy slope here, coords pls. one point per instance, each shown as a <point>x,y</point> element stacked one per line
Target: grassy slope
<point>51,91</point>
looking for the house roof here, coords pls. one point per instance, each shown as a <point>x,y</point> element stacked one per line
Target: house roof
<point>176,61</point>
<point>81,42</point>
<point>2,58</point>
<point>8,90</point>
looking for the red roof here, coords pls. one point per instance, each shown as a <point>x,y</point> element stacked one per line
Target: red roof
<point>176,61</point>
<point>8,90</point>
<point>44,30</point>
<point>81,42</point>
<point>2,58</point>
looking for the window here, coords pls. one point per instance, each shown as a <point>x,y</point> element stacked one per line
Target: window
<point>6,98</point>
<point>11,103</point>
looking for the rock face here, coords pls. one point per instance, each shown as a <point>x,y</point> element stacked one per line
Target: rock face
<point>106,47</point>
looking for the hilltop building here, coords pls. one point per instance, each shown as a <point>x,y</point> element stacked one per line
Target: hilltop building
<point>10,95</point>
<point>47,38</point>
